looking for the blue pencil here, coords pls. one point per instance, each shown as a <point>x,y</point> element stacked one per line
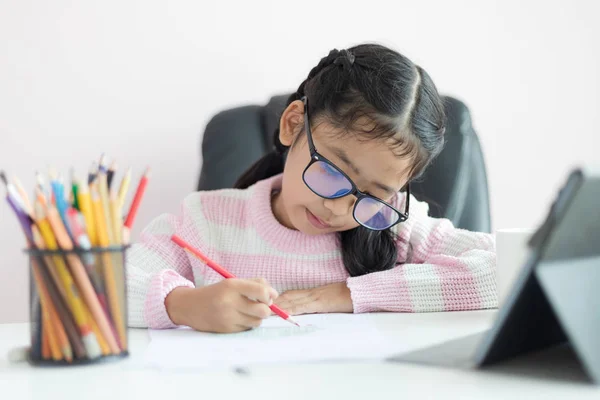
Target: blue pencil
<point>59,197</point>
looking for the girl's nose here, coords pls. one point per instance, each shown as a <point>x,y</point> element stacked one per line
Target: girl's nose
<point>340,207</point>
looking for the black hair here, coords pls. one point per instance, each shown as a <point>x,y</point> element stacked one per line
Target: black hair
<point>368,82</point>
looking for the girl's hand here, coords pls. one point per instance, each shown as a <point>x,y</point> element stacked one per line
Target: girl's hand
<point>232,305</point>
<point>334,298</point>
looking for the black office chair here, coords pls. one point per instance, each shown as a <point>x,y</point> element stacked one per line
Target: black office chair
<point>454,185</point>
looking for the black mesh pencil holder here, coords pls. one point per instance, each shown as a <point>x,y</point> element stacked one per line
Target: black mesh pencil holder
<point>78,305</point>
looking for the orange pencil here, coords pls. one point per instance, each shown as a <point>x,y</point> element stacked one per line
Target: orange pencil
<point>45,343</point>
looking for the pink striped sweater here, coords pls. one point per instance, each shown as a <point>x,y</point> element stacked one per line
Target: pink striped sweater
<point>449,269</point>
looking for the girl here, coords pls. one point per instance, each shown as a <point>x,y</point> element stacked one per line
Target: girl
<point>325,222</point>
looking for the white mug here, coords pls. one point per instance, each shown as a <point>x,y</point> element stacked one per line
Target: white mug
<point>511,254</point>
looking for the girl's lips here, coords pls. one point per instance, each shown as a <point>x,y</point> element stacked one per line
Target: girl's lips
<point>315,221</point>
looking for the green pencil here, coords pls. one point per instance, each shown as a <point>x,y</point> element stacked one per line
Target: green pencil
<point>75,189</point>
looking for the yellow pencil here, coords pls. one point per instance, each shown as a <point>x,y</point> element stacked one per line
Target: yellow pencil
<point>103,192</point>
<point>117,221</point>
<point>75,304</point>
<point>109,273</point>
<point>117,258</point>
<point>85,205</point>
<point>124,188</point>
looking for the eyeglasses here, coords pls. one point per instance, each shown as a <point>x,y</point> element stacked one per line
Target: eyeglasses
<point>326,180</point>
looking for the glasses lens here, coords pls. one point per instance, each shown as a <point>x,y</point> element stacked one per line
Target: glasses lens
<point>326,181</point>
<point>374,214</point>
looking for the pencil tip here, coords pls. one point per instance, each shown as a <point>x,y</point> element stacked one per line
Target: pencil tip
<point>103,161</point>
<point>147,172</point>
<point>3,177</point>
<point>52,173</point>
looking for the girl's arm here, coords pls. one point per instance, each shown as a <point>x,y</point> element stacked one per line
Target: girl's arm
<point>156,266</point>
<point>448,269</point>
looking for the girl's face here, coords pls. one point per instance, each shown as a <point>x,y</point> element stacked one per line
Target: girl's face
<point>371,165</point>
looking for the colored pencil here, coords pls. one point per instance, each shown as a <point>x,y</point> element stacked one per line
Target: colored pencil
<point>12,192</point>
<point>135,204</point>
<point>110,174</point>
<point>103,192</point>
<point>45,343</point>
<point>117,222</point>
<point>58,189</point>
<point>93,172</point>
<point>24,196</point>
<point>50,331</point>
<point>103,163</point>
<point>75,190</point>
<point>85,204</point>
<point>124,188</point>
<point>224,273</point>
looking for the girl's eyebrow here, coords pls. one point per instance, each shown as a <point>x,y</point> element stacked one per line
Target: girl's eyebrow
<point>342,155</point>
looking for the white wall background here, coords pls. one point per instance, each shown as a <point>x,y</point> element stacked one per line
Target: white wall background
<point>140,79</point>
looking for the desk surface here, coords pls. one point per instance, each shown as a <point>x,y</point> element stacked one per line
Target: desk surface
<point>130,379</point>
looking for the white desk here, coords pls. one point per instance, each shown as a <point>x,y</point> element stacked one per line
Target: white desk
<point>129,379</point>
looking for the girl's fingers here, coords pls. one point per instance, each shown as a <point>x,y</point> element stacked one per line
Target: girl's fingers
<point>254,309</point>
<point>256,290</point>
<point>263,281</point>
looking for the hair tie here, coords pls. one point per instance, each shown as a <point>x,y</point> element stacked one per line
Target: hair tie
<point>345,59</point>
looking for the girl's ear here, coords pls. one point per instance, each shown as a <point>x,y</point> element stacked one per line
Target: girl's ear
<point>291,122</point>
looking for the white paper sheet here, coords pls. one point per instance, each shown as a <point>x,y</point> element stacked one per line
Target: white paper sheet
<point>322,337</point>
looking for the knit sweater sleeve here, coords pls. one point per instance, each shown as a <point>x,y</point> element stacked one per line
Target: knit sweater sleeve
<point>441,268</point>
<point>156,266</point>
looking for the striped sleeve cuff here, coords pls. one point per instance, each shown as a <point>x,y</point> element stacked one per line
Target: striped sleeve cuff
<point>160,286</point>
<point>380,291</point>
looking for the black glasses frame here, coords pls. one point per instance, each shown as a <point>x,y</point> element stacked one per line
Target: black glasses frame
<point>315,156</point>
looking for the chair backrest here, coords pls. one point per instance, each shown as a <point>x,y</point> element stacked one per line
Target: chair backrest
<point>454,185</point>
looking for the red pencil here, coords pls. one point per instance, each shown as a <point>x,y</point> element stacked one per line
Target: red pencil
<point>225,274</point>
<point>135,204</point>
